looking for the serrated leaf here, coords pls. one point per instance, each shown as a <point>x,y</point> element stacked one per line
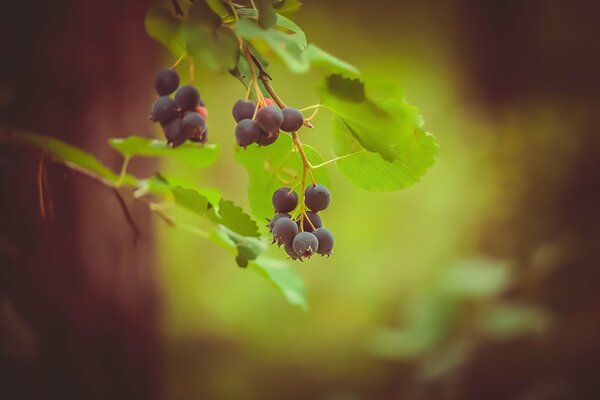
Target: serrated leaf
<point>157,184</point>
<point>387,127</point>
<point>196,155</point>
<point>191,200</point>
<point>283,277</point>
<point>344,88</point>
<point>235,219</point>
<point>291,52</point>
<point>218,50</point>
<point>164,27</point>
<point>275,166</point>
<point>371,172</point>
<point>266,14</point>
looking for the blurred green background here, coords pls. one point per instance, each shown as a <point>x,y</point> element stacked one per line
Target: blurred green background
<point>422,279</point>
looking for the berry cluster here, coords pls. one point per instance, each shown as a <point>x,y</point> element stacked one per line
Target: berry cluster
<point>261,123</point>
<point>304,235</point>
<point>183,117</point>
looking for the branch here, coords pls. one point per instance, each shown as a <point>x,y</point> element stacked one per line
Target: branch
<point>128,216</point>
<point>177,7</point>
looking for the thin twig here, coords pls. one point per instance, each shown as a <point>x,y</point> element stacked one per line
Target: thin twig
<point>177,7</point>
<point>128,216</point>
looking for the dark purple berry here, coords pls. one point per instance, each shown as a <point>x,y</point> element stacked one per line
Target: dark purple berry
<point>173,133</point>
<point>269,118</point>
<point>305,244</point>
<point>284,200</point>
<point>317,197</point>
<point>292,119</point>
<point>164,110</point>
<point>311,219</point>
<point>187,98</point>
<point>247,132</point>
<point>284,231</point>
<point>243,109</point>
<point>192,124</point>
<point>325,240</point>
<point>289,249</point>
<point>277,217</point>
<point>265,139</point>
<point>166,82</point>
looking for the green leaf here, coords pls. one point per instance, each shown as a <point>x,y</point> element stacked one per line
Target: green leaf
<point>275,166</point>
<point>234,218</point>
<point>290,49</point>
<point>164,27</point>
<point>292,30</point>
<point>387,127</point>
<point>266,14</point>
<point>196,155</point>
<point>286,7</point>
<point>70,154</point>
<point>317,57</point>
<point>283,277</point>
<point>247,248</point>
<point>218,7</point>
<point>371,172</point>
<point>191,200</point>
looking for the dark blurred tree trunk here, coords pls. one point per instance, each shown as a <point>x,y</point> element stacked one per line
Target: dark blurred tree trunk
<point>78,299</point>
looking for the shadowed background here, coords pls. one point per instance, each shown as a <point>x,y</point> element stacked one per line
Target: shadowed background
<point>478,282</point>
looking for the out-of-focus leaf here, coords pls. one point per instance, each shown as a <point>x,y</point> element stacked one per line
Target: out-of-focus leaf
<point>70,154</point>
<point>290,50</point>
<point>266,14</point>
<point>287,7</point>
<point>196,155</point>
<point>272,167</point>
<point>164,27</point>
<point>247,248</point>
<point>293,31</point>
<point>218,7</point>
<point>474,279</point>
<point>278,273</point>
<point>506,321</point>
<point>285,278</point>
<point>371,172</point>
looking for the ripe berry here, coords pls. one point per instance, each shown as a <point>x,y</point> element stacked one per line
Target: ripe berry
<point>265,139</point>
<point>311,217</point>
<point>166,82</point>
<point>192,124</point>
<point>202,138</point>
<point>305,244</point>
<point>164,110</point>
<point>277,217</point>
<point>284,200</point>
<point>202,111</point>
<point>247,132</point>
<point>243,109</point>
<point>325,240</point>
<point>173,133</point>
<point>316,197</point>
<point>289,249</point>
<point>284,231</point>
<point>269,118</point>
<point>292,119</point>
<point>187,98</point>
